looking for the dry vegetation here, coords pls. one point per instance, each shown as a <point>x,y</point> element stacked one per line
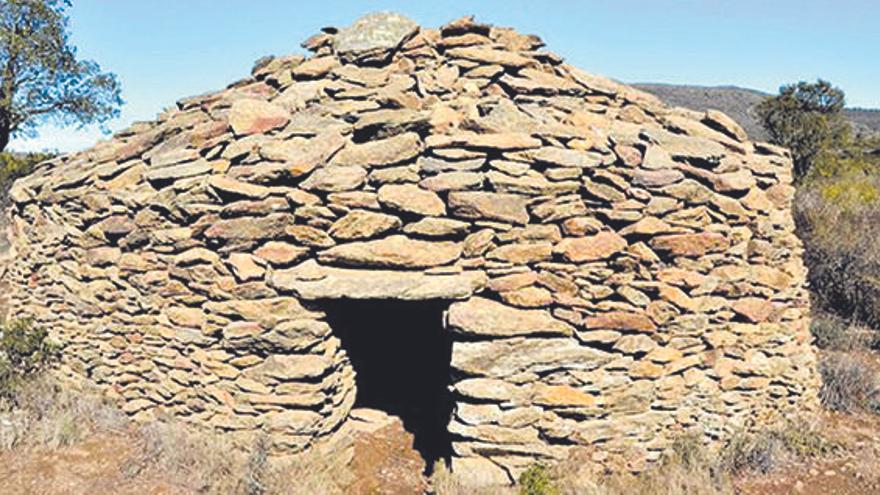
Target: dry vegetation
<point>43,416</point>
<point>38,413</point>
<point>689,468</point>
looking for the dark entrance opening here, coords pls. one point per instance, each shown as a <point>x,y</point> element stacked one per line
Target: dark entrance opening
<point>401,355</point>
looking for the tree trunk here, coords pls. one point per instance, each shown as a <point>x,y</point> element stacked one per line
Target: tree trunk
<point>5,130</point>
<point>4,137</point>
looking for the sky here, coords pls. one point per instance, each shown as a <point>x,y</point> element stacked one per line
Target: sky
<point>163,50</point>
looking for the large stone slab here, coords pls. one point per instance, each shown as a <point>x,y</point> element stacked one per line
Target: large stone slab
<point>247,228</point>
<point>379,153</point>
<point>345,283</point>
<point>302,156</point>
<point>485,317</point>
<point>374,33</point>
<point>396,251</point>
<point>335,179</point>
<point>181,171</point>
<point>252,116</point>
<point>410,198</point>
<point>508,357</point>
<point>363,224</point>
<point>475,205</point>
<point>691,244</point>
<point>591,248</point>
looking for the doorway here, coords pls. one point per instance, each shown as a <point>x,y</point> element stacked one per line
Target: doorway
<point>401,356</point>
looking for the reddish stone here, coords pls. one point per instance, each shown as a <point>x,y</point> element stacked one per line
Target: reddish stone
<point>252,116</point>
<point>117,225</point>
<point>691,244</point>
<point>629,155</point>
<point>754,309</point>
<point>591,248</point>
<point>562,396</point>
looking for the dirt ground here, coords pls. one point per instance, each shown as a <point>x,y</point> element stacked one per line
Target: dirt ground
<point>91,467</point>
<point>384,463</point>
<point>856,471</point>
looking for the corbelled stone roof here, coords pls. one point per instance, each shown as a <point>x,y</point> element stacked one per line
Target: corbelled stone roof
<point>384,76</point>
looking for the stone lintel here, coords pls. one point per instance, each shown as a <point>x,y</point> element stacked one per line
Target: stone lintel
<point>347,283</point>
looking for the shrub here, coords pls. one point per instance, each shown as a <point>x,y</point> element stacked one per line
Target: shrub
<point>257,473</point>
<point>837,206</point>
<point>45,413</point>
<point>848,385</point>
<point>839,222</point>
<point>689,451</point>
<point>25,351</point>
<point>766,450</point>
<point>207,463</point>
<point>755,453</point>
<point>537,480</point>
<point>830,332</point>
<point>807,118</point>
<point>803,440</point>
<point>688,468</point>
<point>834,333</point>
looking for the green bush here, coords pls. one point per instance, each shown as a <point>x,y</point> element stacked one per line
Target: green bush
<point>806,118</point>
<point>25,351</point>
<point>537,480</point>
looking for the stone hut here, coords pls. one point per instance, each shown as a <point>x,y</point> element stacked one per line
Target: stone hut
<point>515,256</point>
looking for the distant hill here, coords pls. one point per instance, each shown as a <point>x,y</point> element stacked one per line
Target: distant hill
<point>739,103</point>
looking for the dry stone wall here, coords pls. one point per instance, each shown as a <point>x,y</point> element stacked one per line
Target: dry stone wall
<point>619,271</point>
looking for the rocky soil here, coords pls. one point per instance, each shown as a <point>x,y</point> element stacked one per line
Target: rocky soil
<point>855,472</point>
<point>384,462</point>
<point>375,457</point>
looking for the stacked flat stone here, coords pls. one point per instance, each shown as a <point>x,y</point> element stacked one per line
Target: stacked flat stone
<point>620,271</point>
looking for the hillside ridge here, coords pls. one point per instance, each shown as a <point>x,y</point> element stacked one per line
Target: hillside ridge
<point>739,103</point>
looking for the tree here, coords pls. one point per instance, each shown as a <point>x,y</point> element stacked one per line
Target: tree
<point>808,119</point>
<point>41,79</point>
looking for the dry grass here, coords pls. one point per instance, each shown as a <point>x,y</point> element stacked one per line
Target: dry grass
<point>46,415</point>
<point>833,333</point>
<point>838,219</point>
<point>688,468</point>
<point>848,385</point>
<point>40,413</point>
<point>445,482</point>
<point>43,415</point>
<point>209,463</point>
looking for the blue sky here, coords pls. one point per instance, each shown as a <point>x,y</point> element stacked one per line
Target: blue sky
<point>163,50</point>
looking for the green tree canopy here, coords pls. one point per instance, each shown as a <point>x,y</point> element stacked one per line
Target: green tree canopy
<point>41,79</point>
<point>808,119</point>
